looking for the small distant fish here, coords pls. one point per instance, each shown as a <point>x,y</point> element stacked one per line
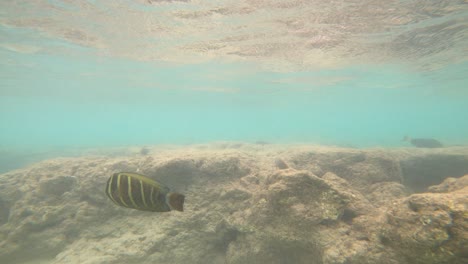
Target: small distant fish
<point>424,142</point>
<point>144,151</point>
<point>139,192</point>
<point>280,164</point>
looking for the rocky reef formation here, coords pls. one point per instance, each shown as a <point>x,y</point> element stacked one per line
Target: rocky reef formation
<point>244,204</point>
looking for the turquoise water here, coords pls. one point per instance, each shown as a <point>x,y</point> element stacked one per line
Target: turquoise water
<point>57,93</point>
<point>117,83</point>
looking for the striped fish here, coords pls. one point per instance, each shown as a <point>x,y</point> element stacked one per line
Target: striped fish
<point>139,192</point>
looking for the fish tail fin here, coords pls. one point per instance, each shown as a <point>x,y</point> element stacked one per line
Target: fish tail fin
<point>176,201</point>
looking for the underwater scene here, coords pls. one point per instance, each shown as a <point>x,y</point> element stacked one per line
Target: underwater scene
<point>234,132</point>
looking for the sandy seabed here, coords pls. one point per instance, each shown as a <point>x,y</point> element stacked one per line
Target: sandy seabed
<point>245,203</point>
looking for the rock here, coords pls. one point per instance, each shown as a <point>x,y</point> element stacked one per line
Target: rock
<point>272,248</point>
<point>429,228</point>
<point>450,184</point>
<point>327,205</point>
<point>384,193</point>
<point>357,204</point>
<point>57,186</point>
<point>297,198</point>
<point>359,168</point>
<point>4,212</point>
<point>423,171</point>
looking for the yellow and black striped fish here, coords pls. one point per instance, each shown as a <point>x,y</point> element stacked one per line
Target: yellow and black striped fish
<point>137,191</point>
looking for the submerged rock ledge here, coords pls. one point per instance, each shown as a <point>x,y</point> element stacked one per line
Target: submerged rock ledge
<point>245,203</point>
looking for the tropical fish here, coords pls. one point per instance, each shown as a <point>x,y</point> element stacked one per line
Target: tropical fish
<point>423,142</point>
<point>139,192</point>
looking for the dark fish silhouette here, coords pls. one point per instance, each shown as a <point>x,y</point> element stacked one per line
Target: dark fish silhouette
<point>424,142</point>
<point>139,192</point>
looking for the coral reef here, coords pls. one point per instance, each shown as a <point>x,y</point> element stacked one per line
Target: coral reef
<point>245,203</point>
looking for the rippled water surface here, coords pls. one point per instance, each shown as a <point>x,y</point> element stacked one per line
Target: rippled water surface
<point>353,73</point>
